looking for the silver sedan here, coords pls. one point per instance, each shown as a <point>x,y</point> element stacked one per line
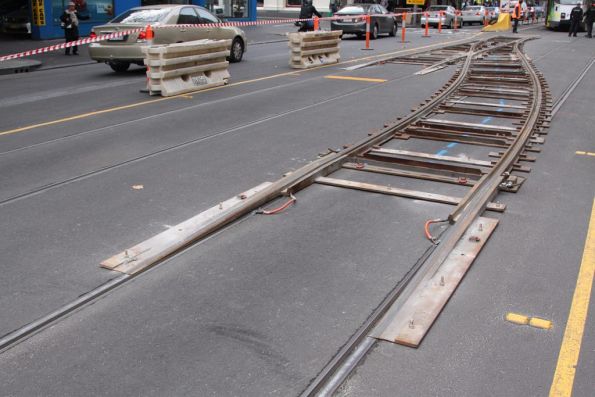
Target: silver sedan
<point>447,19</point>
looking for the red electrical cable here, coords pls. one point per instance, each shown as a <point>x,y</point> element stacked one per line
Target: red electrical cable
<point>278,209</point>
<point>427,229</point>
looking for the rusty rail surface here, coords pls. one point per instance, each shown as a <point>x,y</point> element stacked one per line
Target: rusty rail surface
<point>485,178</point>
<point>535,119</point>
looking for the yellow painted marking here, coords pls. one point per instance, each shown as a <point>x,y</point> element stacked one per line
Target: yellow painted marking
<point>186,96</point>
<point>540,323</point>
<point>138,104</point>
<point>356,79</point>
<point>573,335</point>
<point>579,152</point>
<point>82,116</point>
<point>517,318</point>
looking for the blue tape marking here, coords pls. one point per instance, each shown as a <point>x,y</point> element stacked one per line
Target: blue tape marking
<point>442,152</point>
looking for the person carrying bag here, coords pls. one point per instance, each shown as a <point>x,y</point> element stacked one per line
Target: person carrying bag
<point>70,24</point>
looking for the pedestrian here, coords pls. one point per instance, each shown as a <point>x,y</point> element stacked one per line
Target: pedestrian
<point>334,7</point>
<point>576,16</point>
<point>516,15</point>
<point>307,12</point>
<point>589,19</point>
<point>70,24</point>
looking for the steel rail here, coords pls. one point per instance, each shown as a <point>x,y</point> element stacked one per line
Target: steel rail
<point>291,183</point>
<point>332,376</point>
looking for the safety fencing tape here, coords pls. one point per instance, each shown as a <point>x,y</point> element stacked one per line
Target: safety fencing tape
<point>121,33</point>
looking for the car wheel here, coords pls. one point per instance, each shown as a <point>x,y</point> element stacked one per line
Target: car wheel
<point>119,67</point>
<point>393,31</point>
<point>374,32</point>
<point>237,50</point>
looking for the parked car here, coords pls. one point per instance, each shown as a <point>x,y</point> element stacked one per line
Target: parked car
<point>15,19</point>
<point>447,19</point>
<point>381,21</point>
<point>474,14</point>
<point>494,13</point>
<point>120,52</point>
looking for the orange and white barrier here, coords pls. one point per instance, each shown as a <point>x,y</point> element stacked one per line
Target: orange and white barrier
<point>310,49</point>
<point>186,67</point>
<point>403,27</point>
<point>368,20</point>
<point>104,37</point>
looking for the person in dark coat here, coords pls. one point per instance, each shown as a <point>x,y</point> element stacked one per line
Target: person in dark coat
<point>589,19</point>
<point>307,12</point>
<point>334,7</point>
<point>576,16</point>
<point>517,14</point>
<point>70,24</point>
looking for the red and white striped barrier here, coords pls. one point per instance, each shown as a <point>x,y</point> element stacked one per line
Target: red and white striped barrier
<point>104,37</point>
<point>56,47</point>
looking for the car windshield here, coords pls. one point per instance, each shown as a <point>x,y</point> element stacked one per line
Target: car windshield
<point>567,2</point>
<point>142,15</point>
<point>352,10</point>
<point>473,8</point>
<point>437,8</point>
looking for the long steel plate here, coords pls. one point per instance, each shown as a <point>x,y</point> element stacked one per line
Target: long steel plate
<point>415,317</point>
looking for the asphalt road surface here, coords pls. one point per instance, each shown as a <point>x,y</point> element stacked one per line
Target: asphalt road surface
<point>91,166</point>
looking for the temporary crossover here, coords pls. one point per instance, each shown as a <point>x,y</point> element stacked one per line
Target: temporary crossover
<point>184,67</point>
<point>311,49</point>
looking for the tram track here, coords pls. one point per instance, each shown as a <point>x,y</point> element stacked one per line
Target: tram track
<point>369,155</point>
<point>168,149</point>
<point>337,370</point>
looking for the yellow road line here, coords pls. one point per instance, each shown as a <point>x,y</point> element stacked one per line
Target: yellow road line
<point>138,104</point>
<point>573,335</point>
<point>356,79</point>
<point>580,152</point>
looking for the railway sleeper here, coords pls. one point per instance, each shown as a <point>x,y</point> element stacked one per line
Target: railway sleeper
<point>400,192</point>
<point>450,136</point>
<point>369,166</point>
<point>463,127</point>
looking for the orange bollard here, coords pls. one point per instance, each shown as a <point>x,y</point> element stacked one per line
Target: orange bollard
<point>149,34</point>
<point>149,37</point>
<point>440,15</point>
<point>403,28</point>
<point>368,21</point>
<point>316,24</point>
<point>485,18</point>
<point>427,32</point>
<point>455,25</point>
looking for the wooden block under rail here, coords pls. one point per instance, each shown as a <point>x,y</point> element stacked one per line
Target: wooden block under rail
<point>394,191</point>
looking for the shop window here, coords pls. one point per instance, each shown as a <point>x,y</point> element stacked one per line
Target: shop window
<point>228,8</point>
<point>95,11</point>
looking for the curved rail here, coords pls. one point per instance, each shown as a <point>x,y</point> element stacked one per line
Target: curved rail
<point>336,371</point>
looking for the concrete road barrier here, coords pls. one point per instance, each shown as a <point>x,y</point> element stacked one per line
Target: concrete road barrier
<point>309,49</point>
<point>185,67</point>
